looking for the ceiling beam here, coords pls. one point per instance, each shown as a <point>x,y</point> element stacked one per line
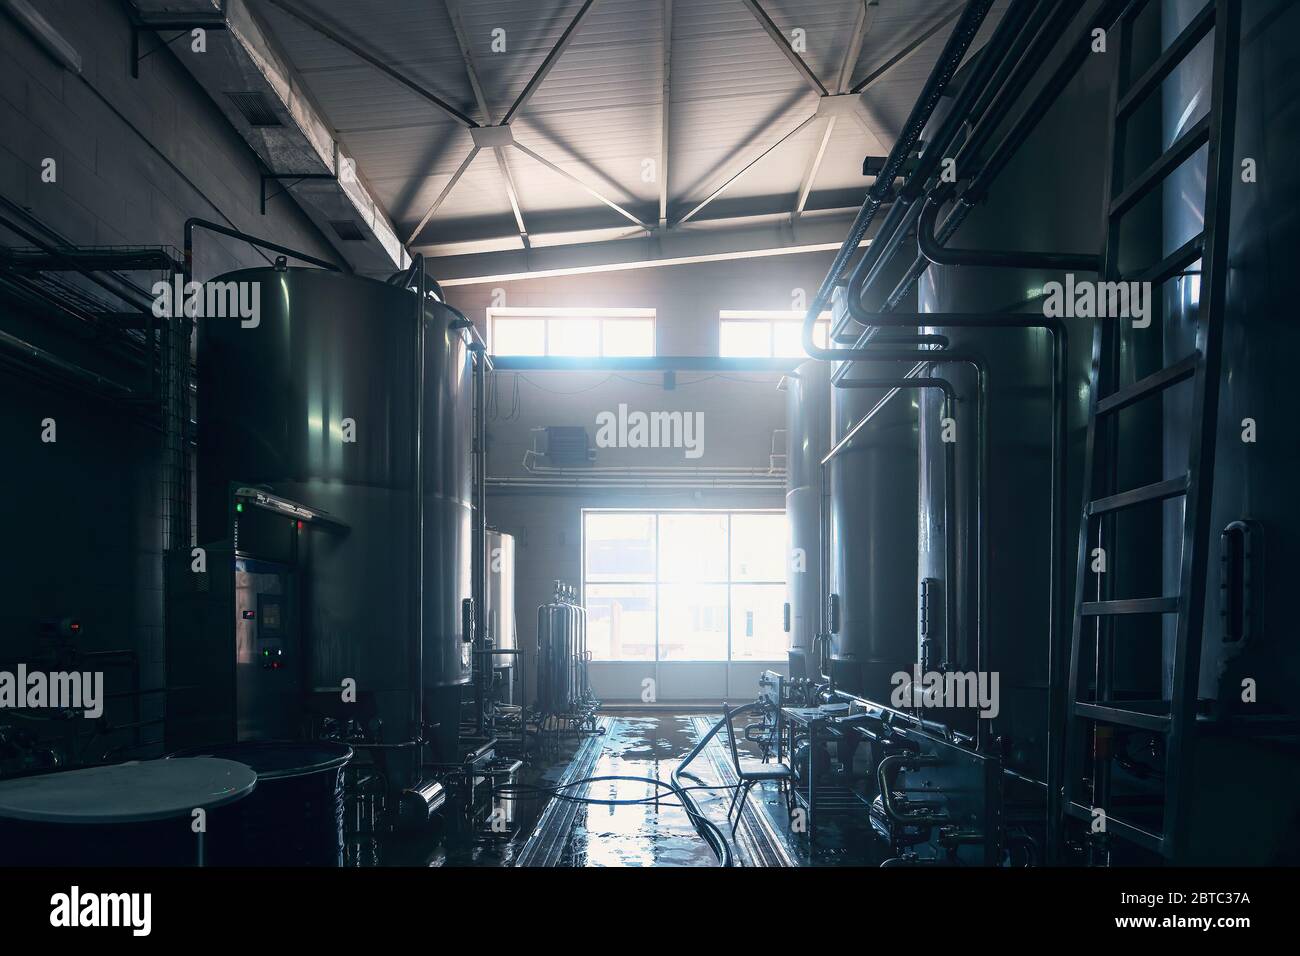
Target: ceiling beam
<point>458,27</point>
<point>578,182</point>
<point>906,52</point>
<point>856,115</point>
<point>446,190</point>
<point>769,236</point>
<point>329,34</point>
<point>810,175</point>
<point>783,44</point>
<point>547,64</point>
<point>665,114</point>
<point>861,25</point>
<point>748,166</point>
<point>512,192</point>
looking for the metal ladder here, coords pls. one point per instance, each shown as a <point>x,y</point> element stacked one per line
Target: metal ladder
<point>1091,721</point>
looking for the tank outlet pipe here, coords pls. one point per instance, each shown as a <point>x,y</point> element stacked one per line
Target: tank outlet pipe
<point>887,777</point>
<point>417,805</point>
<point>945,67</point>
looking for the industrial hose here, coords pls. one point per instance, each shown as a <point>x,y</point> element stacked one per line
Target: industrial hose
<point>707,829</point>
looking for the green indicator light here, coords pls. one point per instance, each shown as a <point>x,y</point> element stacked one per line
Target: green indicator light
<point>239,506</point>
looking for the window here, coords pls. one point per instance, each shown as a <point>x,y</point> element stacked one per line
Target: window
<point>770,334</point>
<point>685,585</point>
<point>573,332</point>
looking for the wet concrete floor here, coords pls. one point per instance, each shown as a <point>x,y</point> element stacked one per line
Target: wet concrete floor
<point>647,827</point>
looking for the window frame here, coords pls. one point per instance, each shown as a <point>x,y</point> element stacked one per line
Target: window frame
<point>768,318</point>
<point>548,313</point>
<point>657,583</point>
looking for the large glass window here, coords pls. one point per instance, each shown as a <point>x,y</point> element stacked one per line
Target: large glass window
<point>767,334</point>
<point>685,585</point>
<point>573,332</point>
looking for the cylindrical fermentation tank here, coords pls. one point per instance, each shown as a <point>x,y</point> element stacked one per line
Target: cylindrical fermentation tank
<point>807,424</point>
<point>327,400</point>
<point>1248,668</point>
<point>871,536</point>
<point>1047,198</point>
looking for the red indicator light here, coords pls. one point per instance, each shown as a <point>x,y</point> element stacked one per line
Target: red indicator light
<point>299,525</point>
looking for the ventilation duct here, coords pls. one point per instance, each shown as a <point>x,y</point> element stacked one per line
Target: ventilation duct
<point>262,96</point>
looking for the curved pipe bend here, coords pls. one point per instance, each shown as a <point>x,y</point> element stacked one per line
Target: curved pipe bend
<point>935,252</point>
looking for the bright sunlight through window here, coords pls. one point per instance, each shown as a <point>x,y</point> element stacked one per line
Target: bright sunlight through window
<point>685,585</point>
<point>571,332</point>
<point>767,334</point>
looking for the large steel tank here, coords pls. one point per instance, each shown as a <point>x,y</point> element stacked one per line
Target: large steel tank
<point>1253,481</point>
<point>327,400</point>
<point>871,536</point>
<point>1249,670</point>
<point>1048,198</point>
<point>807,429</point>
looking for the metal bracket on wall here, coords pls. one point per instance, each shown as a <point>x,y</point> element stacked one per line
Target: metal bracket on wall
<point>295,178</point>
<point>183,23</point>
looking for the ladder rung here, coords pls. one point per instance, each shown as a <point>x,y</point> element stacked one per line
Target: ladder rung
<point>1143,838</point>
<point>1155,382</point>
<point>1168,61</point>
<point>1169,160</point>
<point>1174,263</point>
<point>1160,605</point>
<point>1123,717</point>
<point>1158,491</point>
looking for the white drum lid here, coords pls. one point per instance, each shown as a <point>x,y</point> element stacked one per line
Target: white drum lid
<point>134,792</point>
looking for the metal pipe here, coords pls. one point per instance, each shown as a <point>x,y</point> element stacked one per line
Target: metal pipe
<point>1016,23</point>
<point>949,60</point>
<point>1006,148</point>
<point>1041,34</point>
<point>105,386</point>
<point>207,224</point>
<point>478,580</point>
<point>935,252</point>
<point>888,715</point>
<point>416,720</point>
<point>887,773</point>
